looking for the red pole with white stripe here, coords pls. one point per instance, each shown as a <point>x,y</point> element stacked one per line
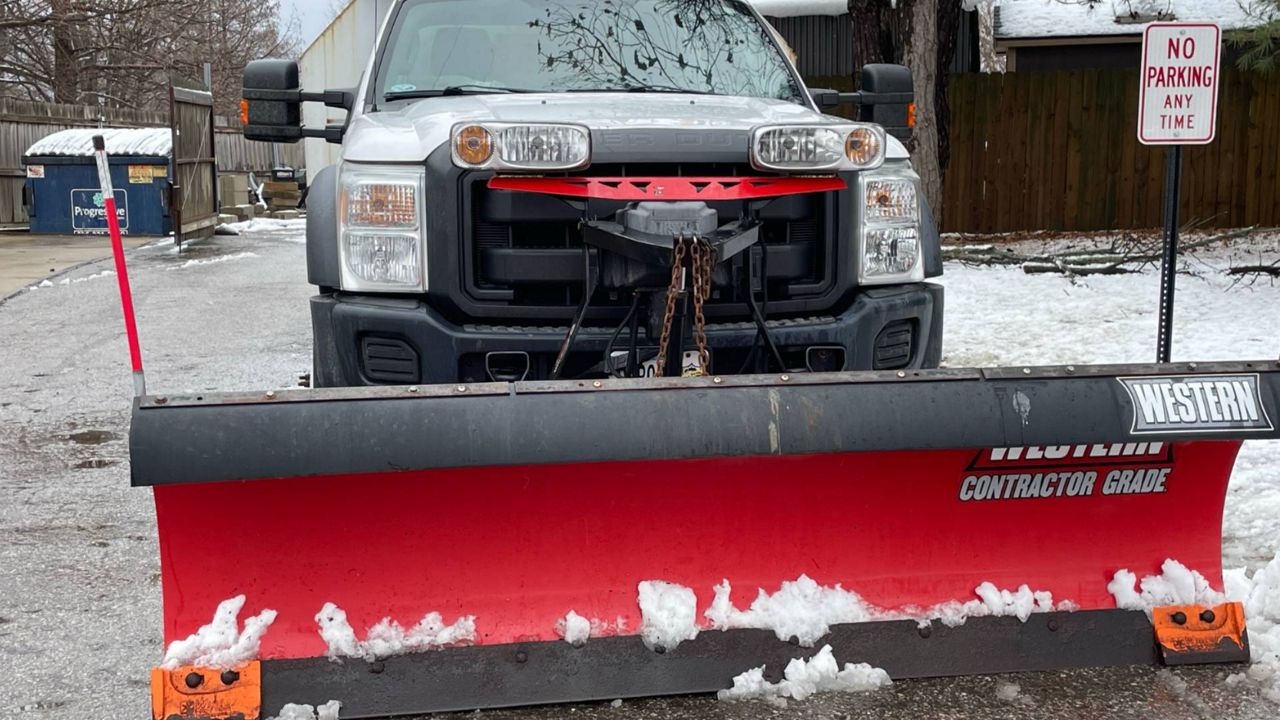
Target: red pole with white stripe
<point>122,272</point>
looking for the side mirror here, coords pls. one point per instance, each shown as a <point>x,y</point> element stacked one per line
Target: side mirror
<point>273,101</point>
<point>825,99</point>
<point>272,110</point>
<point>888,99</point>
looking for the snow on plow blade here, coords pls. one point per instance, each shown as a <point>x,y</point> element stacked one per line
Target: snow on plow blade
<point>516,504</point>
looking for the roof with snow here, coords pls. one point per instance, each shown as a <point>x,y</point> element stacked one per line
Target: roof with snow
<point>800,8</point>
<point>1084,18</point>
<point>141,142</point>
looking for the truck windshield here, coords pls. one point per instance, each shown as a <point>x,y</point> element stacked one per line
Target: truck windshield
<point>476,46</point>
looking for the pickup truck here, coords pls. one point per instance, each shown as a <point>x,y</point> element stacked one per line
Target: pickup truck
<point>561,189</point>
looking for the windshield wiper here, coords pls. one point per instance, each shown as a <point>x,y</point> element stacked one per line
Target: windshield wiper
<point>451,90</point>
<point>668,89</point>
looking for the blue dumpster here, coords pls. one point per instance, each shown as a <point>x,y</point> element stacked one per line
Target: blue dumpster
<point>62,191</point>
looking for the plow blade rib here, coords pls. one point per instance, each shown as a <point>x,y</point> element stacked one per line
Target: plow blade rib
<point>517,504</point>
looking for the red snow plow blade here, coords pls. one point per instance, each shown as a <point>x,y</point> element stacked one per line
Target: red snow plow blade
<point>516,504</point>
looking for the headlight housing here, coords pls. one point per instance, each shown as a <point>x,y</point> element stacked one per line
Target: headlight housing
<point>521,147</point>
<point>891,245</point>
<point>817,148</point>
<point>381,234</point>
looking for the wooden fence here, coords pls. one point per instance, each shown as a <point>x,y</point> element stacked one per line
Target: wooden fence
<point>1059,151</point>
<point>23,123</point>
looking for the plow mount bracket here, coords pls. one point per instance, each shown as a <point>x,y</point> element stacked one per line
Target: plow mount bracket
<point>667,189</point>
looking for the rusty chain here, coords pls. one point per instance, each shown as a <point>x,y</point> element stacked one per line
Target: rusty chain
<point>673,292</point>
<point>702,257</point>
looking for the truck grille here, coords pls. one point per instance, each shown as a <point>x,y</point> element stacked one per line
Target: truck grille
<point>526,249</point>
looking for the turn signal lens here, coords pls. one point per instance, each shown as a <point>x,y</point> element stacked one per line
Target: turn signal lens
<point>891,200</point>
<point>863,147</point>
<point>244,112</point>
<point>473,145</point>
<point>381,205</point>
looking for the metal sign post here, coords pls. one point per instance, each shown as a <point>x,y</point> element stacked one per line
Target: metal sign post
<point>1177,106</point>
<point>1169,259</point>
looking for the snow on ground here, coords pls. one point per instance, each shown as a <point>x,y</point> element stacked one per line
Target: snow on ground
<point>221,643</point>
<point>805,678</point>
<point>260,225</point>
<point>388,638</point>
<point>1260,593</point>
<point>1012,693</point>
<point>86,278</point>
<point>1002,316</point>
<point>1047,18</point>
<point>214,260</point>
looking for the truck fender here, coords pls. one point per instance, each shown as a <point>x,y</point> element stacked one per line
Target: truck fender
<point>322,230</point>
<point>931,239</point>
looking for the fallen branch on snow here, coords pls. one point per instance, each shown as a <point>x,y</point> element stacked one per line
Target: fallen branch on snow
<point>1273,270</point>
<point>1126,255</point>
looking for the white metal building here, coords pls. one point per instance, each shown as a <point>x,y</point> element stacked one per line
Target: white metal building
<point>338,59</point>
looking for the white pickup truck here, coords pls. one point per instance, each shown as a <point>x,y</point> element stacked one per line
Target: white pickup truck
<point>545,189</point>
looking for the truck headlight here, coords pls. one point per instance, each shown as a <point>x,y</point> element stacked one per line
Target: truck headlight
<point>380,226</point>
<point>521,147</point>
<point>891,248</point>
<point>817,148</point>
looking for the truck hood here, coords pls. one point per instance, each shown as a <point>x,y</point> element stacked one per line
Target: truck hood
<point>413,131</point>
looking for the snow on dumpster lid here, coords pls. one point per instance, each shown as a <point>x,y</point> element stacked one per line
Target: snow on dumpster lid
<point>1059,18</point>
<point>799,8</point>
<point>145,142</point>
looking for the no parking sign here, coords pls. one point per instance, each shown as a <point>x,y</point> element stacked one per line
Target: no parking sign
<point>1179,89</point>
<point>1177,105</point>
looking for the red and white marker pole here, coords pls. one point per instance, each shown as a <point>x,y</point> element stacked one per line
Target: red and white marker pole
<point>122,272</point>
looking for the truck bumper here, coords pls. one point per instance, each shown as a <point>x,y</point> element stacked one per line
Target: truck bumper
<point>366,340</point>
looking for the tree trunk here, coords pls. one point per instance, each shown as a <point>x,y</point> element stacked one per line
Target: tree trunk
<point>920,34</point>
<point>922,58</point>
<point>948,37</point>
<point>66,64</point>
<point>878,31</point>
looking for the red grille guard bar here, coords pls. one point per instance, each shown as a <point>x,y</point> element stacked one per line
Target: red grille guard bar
<point>669,188</point>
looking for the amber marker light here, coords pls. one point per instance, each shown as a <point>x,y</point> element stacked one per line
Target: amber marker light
<point>862,146</point>
<point>473,145</point>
